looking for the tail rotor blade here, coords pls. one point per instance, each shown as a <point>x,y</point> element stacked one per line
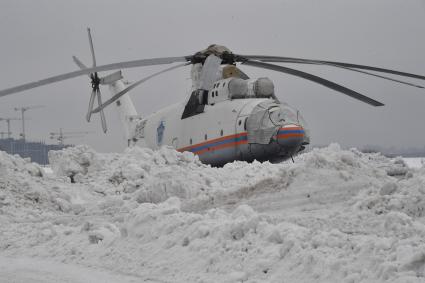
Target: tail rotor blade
<point>79,63</point>
<point>102,114</point>
<point>103,119</point>
<point>91,102</point>
<point>91,47</point>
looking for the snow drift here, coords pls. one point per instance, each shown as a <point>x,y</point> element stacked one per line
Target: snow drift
<point>332,216</point>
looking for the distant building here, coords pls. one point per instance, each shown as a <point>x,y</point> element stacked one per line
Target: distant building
<point>36,151</point>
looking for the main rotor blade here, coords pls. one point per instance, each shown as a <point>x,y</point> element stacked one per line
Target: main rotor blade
<point>330,63</point>
<point>91,102</point>
<point>102,114</point>
<point>108,67</point>
<point>354,70</point>
<point>379,76</point>
<point>132,86</point>
<point>315,79</point>
<point>91,47</point>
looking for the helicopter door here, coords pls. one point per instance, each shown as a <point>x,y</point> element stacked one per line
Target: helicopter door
<point>240,128</point>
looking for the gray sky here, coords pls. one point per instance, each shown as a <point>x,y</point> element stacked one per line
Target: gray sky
<point>38,39</point>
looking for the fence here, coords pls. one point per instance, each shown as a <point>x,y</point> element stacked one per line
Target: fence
<point>36,151</point>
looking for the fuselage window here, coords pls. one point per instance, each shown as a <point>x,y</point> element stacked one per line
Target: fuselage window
<point>224,84</point>
<point>244,124</point>
<point>206,137</point>
<point>221,132</point>
<point>240,122</point>
<point>190,141</point>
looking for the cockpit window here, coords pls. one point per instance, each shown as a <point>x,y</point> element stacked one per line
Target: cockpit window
<point>288,114</point>
<point>276,116</point>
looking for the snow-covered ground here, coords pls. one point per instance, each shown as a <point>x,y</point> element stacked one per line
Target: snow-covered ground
<point>414,162</point>
<point>33,270</point>
<point>143,216</point>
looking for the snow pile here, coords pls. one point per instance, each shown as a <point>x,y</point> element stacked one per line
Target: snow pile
<point>405,195</point>
<point>72,162</point>
<point>10,165</point>
<point>22,186</point>
<point>27,193</point>
<point>332,216</point>
<point>153,176</point>
<point>413,162</point>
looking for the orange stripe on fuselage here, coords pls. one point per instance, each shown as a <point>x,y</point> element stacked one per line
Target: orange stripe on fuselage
<point>233,144</point>
<point>291,135</point>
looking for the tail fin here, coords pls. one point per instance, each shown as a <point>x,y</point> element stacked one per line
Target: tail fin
<point>126,110</point>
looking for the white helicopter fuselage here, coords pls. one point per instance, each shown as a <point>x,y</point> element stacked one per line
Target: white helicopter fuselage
<point>230,126</point>
<point>216,135</point>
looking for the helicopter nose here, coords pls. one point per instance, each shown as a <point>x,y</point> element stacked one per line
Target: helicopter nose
<point>290,136</point>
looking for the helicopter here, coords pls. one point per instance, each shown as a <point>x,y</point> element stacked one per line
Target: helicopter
<point>227,115</point>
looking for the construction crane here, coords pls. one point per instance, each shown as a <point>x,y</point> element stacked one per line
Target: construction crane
<point>61,135</point>
<point>23,110</point>
<point>9,132</point>
<point>2,134</point>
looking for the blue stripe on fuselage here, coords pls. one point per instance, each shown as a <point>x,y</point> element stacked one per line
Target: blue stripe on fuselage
<point>282,132</point>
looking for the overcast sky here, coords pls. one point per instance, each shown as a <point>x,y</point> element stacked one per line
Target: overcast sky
<point>38,39</point>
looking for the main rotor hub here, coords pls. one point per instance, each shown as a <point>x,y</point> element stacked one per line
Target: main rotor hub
<point>220,51</point>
